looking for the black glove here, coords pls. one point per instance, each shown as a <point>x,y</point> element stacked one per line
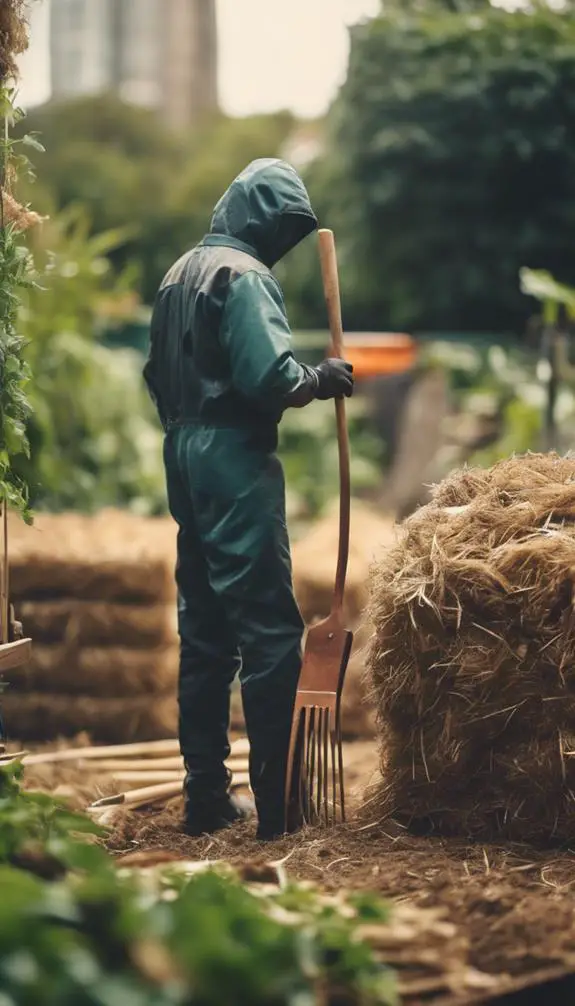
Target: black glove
<point>334,379</point>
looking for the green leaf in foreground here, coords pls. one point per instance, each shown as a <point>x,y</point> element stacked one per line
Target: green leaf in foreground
<point>75,931</point>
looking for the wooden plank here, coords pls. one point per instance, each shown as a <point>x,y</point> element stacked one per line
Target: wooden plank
<point>14,654</point>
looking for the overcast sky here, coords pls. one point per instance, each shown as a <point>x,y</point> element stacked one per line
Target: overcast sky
<point>300,65</point>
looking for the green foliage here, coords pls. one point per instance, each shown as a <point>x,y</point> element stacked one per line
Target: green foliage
<point>552,295</point>
<point>521,433</point>
<point>16,275</point>
<point>96,936</point>
<point>308,448</point>
<point>127,169</point>
<point>450,164</point>
<point>38,833</point>
<point>93,436</point>
<point>501,383</point>
<point>100,941</point>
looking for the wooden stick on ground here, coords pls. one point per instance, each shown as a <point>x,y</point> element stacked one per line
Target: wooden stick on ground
<point>240,748</point>
<point>152,765</point>
<point>133,764</point>
<point>157,775</point>
<point>9,756</point>
<point>153,794</point>
<point>145,778</point>
<point>140,797</point>
<point>151,748</point>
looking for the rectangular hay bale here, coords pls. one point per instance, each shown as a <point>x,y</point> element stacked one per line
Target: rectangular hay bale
<point>98,623</point>
<point>98,671</point>
<point>113,555</point>
<point>41,716</point>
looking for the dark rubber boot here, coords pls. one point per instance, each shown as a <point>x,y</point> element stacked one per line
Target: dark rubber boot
<point>221,812</point>
<point>272,818</point>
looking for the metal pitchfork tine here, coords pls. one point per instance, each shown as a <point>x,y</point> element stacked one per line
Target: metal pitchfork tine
<point>315,758</point>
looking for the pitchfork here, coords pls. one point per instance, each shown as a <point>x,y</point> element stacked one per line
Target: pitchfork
<point>315,761</point>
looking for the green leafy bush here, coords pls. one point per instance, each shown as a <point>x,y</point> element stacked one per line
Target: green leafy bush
<point>450,163</point>
<point>93,435</point>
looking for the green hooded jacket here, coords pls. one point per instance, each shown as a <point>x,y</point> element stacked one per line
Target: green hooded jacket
<point>220,347</point>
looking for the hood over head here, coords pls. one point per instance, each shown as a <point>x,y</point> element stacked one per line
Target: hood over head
<point>267,208</point>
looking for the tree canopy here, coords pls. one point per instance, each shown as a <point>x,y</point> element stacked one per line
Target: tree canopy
<point>129,170</point>
<point>450,165</point>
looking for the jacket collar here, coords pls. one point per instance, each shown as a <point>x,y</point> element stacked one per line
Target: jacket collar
<point>227,241</point>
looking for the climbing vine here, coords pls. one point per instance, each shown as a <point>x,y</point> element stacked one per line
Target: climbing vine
<point>16,267</point>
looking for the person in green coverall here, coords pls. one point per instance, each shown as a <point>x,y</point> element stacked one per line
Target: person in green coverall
<point>221,372</point>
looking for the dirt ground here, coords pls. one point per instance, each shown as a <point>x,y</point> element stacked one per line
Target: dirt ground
<point>515,905</point>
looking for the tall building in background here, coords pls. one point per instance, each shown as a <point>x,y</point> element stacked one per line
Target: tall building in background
<point>158,53</point>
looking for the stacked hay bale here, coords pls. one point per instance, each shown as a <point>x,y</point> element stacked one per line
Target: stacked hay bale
<point>314,561</point>
<point>472,661</point>
<point>97,596</point>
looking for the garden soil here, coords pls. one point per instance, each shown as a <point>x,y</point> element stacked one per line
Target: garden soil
<point>513,904</point>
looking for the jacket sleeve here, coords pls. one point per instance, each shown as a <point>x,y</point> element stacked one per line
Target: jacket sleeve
<point>257,337</point>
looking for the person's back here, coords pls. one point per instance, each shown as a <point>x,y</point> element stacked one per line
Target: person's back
<point>221,372</point>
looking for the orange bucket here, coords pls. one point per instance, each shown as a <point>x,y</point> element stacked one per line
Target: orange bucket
<point>375,353</point>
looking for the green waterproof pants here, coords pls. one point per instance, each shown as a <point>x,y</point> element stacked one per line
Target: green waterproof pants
<point>236,609</point>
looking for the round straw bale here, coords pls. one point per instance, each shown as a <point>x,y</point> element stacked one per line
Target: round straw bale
<point>98,623</point>
<point>315,557</point>
<point>472,659</point>
<point>40,716</point>
<point>106,670</point>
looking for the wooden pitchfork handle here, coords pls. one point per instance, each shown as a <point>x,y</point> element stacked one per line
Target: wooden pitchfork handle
<point>328,259</point>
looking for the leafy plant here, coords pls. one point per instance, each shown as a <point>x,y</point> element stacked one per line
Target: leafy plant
<point>96,936</point>
<point>552,295</point>
<point>16,275</point>
<point>94,440</point>
<point>37,832</point>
